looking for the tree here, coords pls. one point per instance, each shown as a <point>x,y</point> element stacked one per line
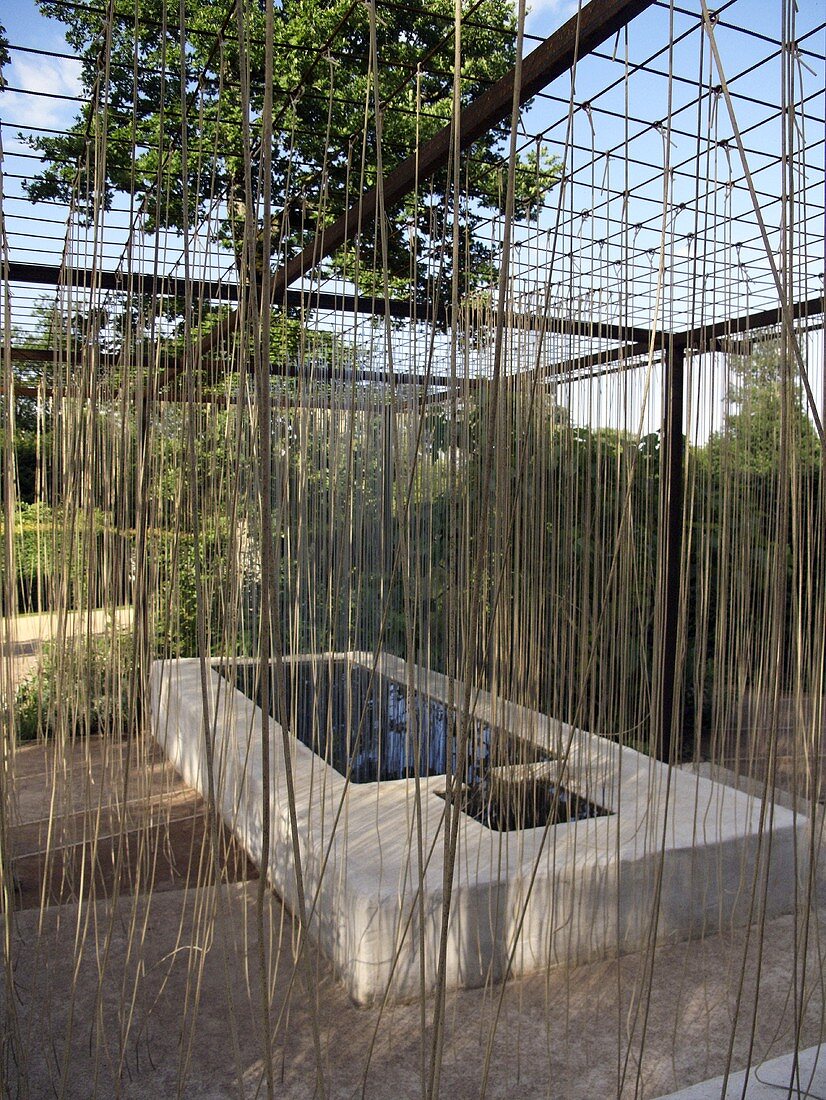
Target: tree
<point>754,517</point>
<point>749,442</point>
<point>5,58</point>
<point>321,86</point>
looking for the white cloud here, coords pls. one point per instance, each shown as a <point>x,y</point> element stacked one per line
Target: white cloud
<point>46,74</point>
<point>43,78</point>
<point>545,16</point>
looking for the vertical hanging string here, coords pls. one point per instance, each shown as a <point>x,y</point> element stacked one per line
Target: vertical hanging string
<point>453,793</point>
<point>270,643</point>
<point>8,594</point>
<point>253,318</point>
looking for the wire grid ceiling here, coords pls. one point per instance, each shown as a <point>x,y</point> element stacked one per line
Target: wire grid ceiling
<point>652,226</point>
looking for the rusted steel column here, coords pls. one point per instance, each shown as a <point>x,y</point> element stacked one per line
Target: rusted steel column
<point>671,536</point>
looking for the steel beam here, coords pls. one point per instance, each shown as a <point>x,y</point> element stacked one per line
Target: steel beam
<point>671,551</point>
<point>631,342</point>
<point>156,283</point>
<point>582,34</point>
<point>703,337</point>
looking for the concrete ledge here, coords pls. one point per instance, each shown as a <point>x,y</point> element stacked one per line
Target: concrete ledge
<point>42,626</point>
<point>768,1081</point>
<point>750,785</point>
<point>535,897</point>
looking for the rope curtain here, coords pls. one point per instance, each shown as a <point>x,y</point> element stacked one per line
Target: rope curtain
<point>484,493</point>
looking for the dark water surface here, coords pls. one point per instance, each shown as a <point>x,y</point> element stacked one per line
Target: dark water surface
<point>336,711</point>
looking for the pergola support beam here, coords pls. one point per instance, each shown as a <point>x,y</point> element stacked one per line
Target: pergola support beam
<point>575,39</point>
<point>152,284</point>
<point>672,467</point>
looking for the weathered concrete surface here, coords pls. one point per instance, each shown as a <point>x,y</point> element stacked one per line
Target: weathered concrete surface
<point>564,1035</point>
<point>523,901</point>
<point>74,809</point>
<point>789,725</point>
<point>801,1076</point>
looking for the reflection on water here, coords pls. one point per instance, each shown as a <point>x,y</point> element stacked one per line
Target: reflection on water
<point>336,711</point>
<point>368,727</point>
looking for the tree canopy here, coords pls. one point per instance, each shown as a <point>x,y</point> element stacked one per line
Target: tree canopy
<point>324,133</point>
<point>4,54</point>
<point>750,438</point>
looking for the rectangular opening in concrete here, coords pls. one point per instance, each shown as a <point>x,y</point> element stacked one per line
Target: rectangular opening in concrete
<point>525,897</point>
<point>367,724</point>
<point>524,796</point>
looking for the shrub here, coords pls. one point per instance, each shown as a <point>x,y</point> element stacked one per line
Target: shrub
<point>80,687</point>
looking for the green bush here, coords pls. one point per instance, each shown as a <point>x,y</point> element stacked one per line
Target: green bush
<point>80,687</point>
<point>46,558</point>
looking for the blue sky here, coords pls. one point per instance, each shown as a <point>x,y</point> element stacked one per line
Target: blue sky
<point>42,77</point>
<point>46,78</point>
<point>27,27</point>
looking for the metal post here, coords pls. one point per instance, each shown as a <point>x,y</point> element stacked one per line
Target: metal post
<point>673,457</point>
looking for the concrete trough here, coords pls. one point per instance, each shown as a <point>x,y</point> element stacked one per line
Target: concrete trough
<point>523,900</point>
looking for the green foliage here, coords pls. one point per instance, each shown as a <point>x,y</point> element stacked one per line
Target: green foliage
<point>27,421</point>
<point>589,583</point>
<point>536,175</point>
<point>61,560</point>
<point>4,55</point>
<point>32,532</point>
<point>80,688</point>
<point>319,110</point>
<point>176,593</point>
<point>34,552</point>
<point>176,633</point>
<point>26,463</point>
<point>749,443</point>
<point>745,556</point>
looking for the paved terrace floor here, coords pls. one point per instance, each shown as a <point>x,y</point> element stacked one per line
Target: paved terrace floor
<point>561,1035</point>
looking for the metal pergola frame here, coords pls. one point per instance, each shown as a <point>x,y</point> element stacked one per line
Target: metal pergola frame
<point>579,37</point>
